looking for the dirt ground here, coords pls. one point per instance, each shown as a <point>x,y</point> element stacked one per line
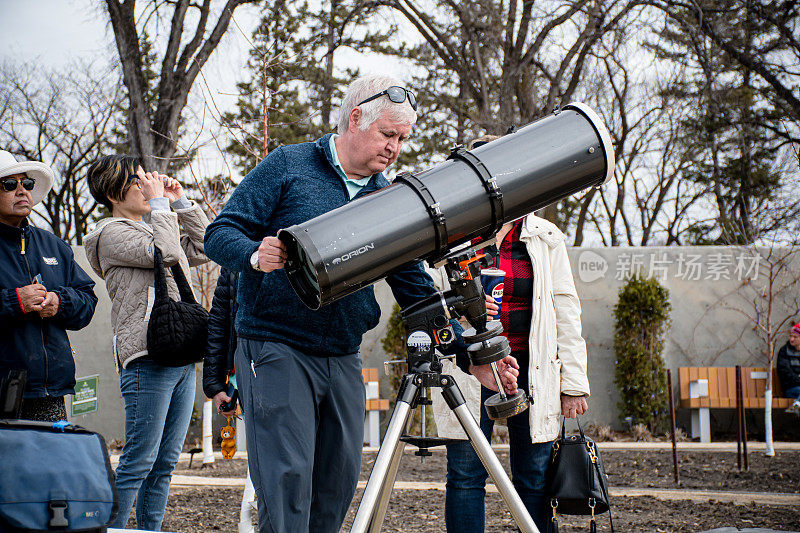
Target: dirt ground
<point>217,509</point>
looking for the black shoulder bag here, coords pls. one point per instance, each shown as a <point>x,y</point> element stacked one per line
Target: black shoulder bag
<point>177,331</point>
<point>576,480</point>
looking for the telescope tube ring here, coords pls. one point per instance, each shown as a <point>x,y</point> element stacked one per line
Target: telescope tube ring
<point>431,205</point>
<point>489,182</point>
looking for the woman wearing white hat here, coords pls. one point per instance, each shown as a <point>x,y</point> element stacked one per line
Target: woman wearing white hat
<point>43,293</point>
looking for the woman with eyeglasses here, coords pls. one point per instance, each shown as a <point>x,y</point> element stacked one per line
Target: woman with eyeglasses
<point>147,210</point>
<point>43,293</point>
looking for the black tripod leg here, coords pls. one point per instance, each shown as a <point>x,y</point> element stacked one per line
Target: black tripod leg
<point>372,508</point>
<point>455,400</point>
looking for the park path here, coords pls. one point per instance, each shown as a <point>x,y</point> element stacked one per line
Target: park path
<point>752,446</point>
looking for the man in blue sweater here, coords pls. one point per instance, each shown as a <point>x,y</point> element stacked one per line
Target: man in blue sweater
<point>299,370</point>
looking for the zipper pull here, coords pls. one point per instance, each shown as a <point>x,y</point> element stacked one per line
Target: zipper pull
<point>22,246</point>
<point>253,368</point>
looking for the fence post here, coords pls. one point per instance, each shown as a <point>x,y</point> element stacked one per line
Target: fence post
<point>742,419</point>
<point>675,473</point>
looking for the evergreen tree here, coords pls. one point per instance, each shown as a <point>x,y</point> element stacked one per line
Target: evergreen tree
<point>641,321</point>
<point>292,82</point>
<point>732,129</point>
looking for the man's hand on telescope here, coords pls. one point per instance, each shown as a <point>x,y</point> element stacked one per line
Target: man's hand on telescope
<point>271,254</point>
<point>507,367</point>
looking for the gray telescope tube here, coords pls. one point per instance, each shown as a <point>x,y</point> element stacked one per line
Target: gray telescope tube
<point>423,215</point>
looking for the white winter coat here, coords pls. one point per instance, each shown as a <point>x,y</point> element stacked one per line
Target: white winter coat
<point>557,349</point>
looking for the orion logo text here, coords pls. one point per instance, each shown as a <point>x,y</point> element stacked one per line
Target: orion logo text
<point>349,255</point>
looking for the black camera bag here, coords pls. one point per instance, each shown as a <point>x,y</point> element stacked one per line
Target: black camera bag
<point>12,387</point>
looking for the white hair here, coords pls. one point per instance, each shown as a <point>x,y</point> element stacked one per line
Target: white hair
<point>363,88</point>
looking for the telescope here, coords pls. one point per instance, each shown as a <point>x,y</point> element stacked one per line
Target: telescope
<point>428,216</point>
<point>423,216</point>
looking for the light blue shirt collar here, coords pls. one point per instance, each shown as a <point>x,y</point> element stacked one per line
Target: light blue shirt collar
<point>353,186</point>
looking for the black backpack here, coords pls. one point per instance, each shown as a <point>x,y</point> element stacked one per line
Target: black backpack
<point>177,331</point>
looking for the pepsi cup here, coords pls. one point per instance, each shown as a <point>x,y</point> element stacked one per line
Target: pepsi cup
<point>492,280</point>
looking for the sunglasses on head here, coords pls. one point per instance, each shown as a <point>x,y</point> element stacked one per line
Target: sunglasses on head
<point>396,94</point>
<point>10,183</point>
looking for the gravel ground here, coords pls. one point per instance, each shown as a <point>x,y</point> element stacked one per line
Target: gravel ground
<point>209,509</point>
<point>217,509</point>
<point>625,468</point>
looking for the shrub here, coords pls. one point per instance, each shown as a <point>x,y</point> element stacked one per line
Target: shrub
<point>601,432</point>
<point>641,320</point>
<point>641,433</point>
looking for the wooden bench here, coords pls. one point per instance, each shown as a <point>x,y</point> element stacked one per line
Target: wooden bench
<point>375,404</point>
<point>704,388</point>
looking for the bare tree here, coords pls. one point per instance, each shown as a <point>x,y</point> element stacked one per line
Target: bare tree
<point>494,64</point>
<point>154,114</point>
<point>776,60</point>
<point>514,61</point>
<point>64,120</point>
<point>770,302</point>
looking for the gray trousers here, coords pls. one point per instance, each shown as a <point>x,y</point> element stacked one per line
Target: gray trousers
<point>304,417</point>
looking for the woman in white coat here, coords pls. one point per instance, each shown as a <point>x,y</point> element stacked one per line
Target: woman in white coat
<point>540,313</point>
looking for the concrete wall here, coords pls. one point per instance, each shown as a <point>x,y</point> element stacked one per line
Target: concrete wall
<point>93,355</point>
<point>707,329</point>
<point>707,325</point>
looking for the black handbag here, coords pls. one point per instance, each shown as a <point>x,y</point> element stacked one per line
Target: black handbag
<point>177,331</point>
<point>12,387</point>
<point>54,476</point>
<point>576,480</point>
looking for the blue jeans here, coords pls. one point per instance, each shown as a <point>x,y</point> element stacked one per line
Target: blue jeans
<point>464,507</point>
<point>158,408</point>
<point>305,429</point>
<point>793,392</point>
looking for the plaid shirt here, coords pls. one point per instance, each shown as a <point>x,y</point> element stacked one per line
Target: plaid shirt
<point>516,308</point>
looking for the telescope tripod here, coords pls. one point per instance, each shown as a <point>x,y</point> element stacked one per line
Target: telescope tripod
<point>372,509</point>
<point>428,326</point>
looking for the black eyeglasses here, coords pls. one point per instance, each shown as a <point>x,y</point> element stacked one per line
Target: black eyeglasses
<point>10,183</point>
<point>134,179</point>
<point>396,94</point>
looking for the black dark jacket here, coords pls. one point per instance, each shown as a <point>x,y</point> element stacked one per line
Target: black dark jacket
<point>27,341</point>
<point>788,368</point>
<point>218,362</point>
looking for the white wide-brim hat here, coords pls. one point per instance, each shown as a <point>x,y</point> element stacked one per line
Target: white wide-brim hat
<point>34,169</point>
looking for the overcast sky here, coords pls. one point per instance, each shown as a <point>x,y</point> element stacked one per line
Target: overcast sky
<point>55,33</point>
<point>52,31</point>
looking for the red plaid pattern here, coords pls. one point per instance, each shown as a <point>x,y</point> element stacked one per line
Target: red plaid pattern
<point>515,311</point>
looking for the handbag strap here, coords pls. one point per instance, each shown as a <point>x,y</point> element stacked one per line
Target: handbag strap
<point>159,276</point>
<point>604,488</point>
<point>183,285</point>
<point>160,279</point>
<point>580,429</point>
